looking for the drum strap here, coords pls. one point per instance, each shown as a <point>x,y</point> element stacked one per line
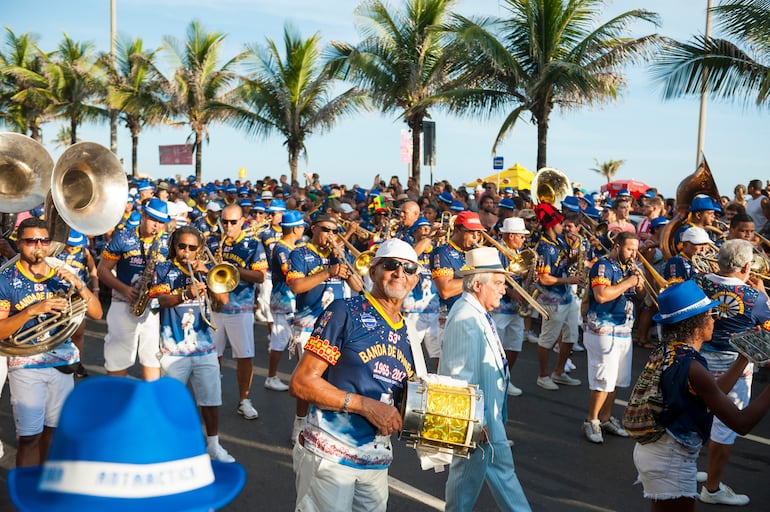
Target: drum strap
<point>420,369</point>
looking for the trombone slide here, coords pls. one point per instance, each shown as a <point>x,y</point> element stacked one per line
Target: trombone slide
<point>530,300</point>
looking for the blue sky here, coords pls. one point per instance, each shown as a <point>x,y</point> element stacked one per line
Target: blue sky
<point>656,138</point>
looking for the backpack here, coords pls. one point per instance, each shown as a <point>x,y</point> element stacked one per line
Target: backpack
<point>641,418</point>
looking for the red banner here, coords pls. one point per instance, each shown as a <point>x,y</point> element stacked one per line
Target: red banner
<point>177,154</point>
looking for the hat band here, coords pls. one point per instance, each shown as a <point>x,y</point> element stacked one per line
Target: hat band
<point>678,312</point>
<point>155,213</point>
<point>118,480</point>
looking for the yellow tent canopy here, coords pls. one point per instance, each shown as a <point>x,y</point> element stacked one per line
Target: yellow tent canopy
<point>515,177</point>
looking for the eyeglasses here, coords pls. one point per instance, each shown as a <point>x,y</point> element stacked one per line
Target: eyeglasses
<point>391,264</point>
<point>184,247</point>
<point>230,221</point>
<point>31,242</point>
<point>327,230</point>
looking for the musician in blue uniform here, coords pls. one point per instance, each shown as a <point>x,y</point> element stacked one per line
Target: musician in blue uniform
<point>679,267</point>
<point>128,253</point>
<point>77,256</point>
<point>187,349</point>
<point>235,320</point>
<point>354,370</point>
<point>30,293</point>
<point>613,282</point>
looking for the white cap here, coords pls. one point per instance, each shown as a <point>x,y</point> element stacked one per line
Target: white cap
<point>395,248</point>
<point>346,208</point>
<point>214,207</point>
<point>696,236</point>
<point>514,225</point>
<point>181,207</point>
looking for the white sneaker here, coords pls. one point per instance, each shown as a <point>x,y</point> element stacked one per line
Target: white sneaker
<point>614,427</point>
<point>247,410</point>
<point>513,390</point>
<point>569,365</point>
<point>724,496</point>
<point>565,379</point>
<point>216,452</point>
<point>530,337</point>
<point>547,383</point>
<point>259,316</point>
<point>593,431</point>
<point>577,347</point>
<point>276,384</point>
<point>299,424</point>
<point>2,450</point>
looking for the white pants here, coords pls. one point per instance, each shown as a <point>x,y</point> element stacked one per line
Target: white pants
<point>325,486</point>
<point>238,329</point>
<point>129,335</point>
<point>37,397</point>
<point>201,371</point>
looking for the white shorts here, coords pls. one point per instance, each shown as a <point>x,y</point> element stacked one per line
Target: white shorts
<point>37,397</point>
<point>609,360</point>
<point>238,329</point>
<point>201,371</point>
<point>423,328</point>
<point>666,469</point>
<point>264,289</point>
<point>3,373</point>
<point>299,337</point>
<point>129,335</point>
<point>740,395</point>
<point>280,333</point>
<point>563,320</point>
<point>510,328</point>
<point>325,486</point>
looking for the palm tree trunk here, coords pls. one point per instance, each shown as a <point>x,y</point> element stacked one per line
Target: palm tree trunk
<point>293,162</point>
<point>73,130</point>
<point>415,124</point>
<point>198,156</point>
<point>34,129</point>
<point>134,151</point>
<point>542,141</point>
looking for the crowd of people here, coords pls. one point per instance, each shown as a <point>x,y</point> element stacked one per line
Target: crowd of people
<point>352,279</point>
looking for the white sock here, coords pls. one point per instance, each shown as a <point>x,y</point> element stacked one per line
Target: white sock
<point>212,441</point>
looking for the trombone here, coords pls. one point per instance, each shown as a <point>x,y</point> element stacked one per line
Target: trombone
<point>362,233</point>
<point>660,281</point>
<point>516,260</point>
<point>362,260</point>
<point>204,302</point>
<point>356,274</point>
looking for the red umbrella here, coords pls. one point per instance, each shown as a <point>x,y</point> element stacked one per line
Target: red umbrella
<point>634,187</point>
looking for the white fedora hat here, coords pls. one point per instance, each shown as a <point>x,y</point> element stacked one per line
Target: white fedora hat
<point>514,225</point>
<point>481,260</point>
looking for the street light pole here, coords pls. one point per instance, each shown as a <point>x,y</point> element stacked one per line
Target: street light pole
<point>114,64</point>
<point>703,93</point>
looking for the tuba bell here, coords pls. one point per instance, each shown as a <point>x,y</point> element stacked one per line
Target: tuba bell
<point>550,186</point>
<point>699,182</point>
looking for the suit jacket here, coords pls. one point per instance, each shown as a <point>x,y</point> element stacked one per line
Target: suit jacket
<point>470,351</point>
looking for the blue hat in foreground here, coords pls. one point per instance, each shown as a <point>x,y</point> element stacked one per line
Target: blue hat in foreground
<point>292,219</point>
<point>277,205</point>
<point>76,239</point>
<point>126,445</point>
<point>156,209</point>
<point>682,301</point>
<point>702,202</point>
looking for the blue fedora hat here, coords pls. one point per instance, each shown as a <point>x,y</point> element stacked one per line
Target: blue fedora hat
<point>658,222</point>
<point>156,209</point>
<point>506,203</point>
<point>682,301</point>
<point>457,206</point>
<point>702,202</point>
<point>446,197</point>
<point>126,445</point>
<point>292,219</point>
<point>76,238</point>
<point>570,203</point>
<point>277,205</point>
<point>134,220</point>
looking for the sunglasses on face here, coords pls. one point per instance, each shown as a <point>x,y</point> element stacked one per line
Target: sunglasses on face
<point>327,230</point>
<point>31,242</point>
<point>392,264</point>
<point>184,247</point>
<point>230,221</point>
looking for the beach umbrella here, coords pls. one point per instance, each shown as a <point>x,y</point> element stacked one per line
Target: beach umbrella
<point>634,187</point>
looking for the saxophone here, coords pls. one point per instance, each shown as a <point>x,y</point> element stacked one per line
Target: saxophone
<point>579,267</point>
<point>143,284</point>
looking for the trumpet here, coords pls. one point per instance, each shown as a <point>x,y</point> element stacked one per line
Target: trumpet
<point>515,259</point>
<point>360,232</point>
<point>257,229</point>
<point>446,227</point>
<point>355,274</point>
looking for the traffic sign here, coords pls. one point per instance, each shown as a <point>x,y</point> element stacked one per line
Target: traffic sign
<point>497,163</point>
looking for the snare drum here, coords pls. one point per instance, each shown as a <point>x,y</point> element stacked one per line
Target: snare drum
<point>441,418</point>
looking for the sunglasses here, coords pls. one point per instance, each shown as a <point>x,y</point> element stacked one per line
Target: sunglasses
<point>327,230</point>
<point>184,247</point>
<point>34,241</point>
<point>392,264</point>
<point>230,221</point>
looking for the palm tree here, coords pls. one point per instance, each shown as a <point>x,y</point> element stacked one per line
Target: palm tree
<point>546,53</point>
<point>290,94</point>
<point>63,138</point>
<point>76,81</point>
<point>200,84</point>
<point>404,60</point>
<point>734,69</point>
<point>25,97</point>
<point>609,168</point>
<point>136,90</point>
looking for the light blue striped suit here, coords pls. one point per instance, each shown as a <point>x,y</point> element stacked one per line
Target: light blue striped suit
<point>470,352</point>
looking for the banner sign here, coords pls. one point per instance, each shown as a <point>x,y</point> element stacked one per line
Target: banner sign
<point>177,154</point>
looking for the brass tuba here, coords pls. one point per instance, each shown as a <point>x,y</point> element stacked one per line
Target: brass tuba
<point>699,182</point>
<point>550,186</point>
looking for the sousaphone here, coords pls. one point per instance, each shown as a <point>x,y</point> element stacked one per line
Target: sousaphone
<point>550,186</point>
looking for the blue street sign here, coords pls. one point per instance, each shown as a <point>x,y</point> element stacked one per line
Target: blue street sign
<point>497,163</point>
